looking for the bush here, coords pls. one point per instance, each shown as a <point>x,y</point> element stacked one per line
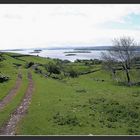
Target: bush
<point>28,65</point>
<point>37,70</point>
<point>65,61</point>
<point>3,78</point>
<point>1,57</point>
<point>73,73</point>
<point>56,76</point>
<point>96,61</point>
<point>89,62</point>
<point>133,131</point>
<point>53,68</point>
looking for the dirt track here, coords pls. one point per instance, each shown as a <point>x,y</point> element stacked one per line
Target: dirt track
<point>10,126</point>
<point>12,92</point>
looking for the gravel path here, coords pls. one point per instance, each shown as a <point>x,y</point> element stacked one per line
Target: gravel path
<point>12,92</point>
<point>10,126</point>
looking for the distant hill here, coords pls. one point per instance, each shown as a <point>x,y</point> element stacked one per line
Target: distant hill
<point>94,48</point>
<point>100,48</point>
<point>81,48</point>
<point>89,48</point>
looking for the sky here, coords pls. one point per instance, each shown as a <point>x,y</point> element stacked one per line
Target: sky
<point>66,25</point>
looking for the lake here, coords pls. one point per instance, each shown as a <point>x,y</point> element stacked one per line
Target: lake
<point>60,53</point>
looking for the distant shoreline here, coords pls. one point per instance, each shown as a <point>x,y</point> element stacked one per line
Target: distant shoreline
<point>82,48</point>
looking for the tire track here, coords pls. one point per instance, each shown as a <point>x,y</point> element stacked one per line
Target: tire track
<point>12,92</point>
<point>9,128</point>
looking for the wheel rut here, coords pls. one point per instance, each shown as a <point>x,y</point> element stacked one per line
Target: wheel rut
<point>13,92</point>
<point>9,128</point>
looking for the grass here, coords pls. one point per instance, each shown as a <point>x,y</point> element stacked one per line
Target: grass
<point>89,104</point>
<point>58,109</point>
<point>7,68</point>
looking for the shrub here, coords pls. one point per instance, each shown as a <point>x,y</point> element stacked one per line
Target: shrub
<point>56,76</point>
<point>133,131</point>
<point>37,70</point>
<point>96,61</point>
<point>3,78</point>
<point>73,73</point>
<point>28,65</point>
<point>77,61</point>
<point>65,61</point>
<point>1,57</point>
<point>53,68</point>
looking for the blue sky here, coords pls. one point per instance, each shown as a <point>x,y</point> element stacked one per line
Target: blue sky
<point>131,22</point>
<point>48,25</point>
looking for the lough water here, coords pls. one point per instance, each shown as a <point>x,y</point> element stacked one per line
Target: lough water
<point>59,53</point>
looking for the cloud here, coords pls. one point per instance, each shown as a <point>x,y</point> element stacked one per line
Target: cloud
<point>9,16</point>
<point>58,24</point>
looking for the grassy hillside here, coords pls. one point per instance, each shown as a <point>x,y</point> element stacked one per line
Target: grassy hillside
<point>90,103</point>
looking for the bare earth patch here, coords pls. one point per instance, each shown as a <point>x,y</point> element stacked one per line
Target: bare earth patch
<point>10,126</point>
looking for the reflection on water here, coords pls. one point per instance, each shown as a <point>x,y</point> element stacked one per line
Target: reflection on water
<point>61,55</point>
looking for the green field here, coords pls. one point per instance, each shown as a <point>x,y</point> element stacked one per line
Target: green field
<point>90,103</point>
